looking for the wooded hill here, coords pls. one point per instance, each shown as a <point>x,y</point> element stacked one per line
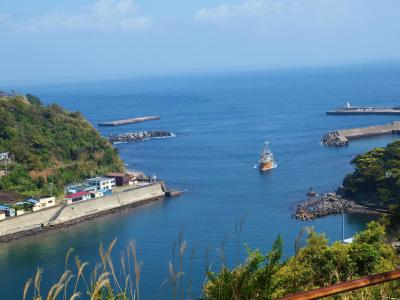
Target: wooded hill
<point>49,147</point>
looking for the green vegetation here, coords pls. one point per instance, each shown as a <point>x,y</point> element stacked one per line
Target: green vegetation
<point>376,176</point>
<point>261,276</point>
<point>317,264</point>
<point>49,147</point>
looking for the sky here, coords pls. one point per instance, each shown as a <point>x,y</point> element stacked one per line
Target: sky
<point>47,39</point>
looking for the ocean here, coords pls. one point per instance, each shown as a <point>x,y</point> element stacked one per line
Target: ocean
<point>221,121</point>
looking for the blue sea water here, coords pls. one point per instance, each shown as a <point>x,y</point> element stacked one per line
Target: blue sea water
<point>221,121</point>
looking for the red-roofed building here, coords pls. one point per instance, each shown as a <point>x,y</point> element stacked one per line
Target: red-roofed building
<point>80,196</point>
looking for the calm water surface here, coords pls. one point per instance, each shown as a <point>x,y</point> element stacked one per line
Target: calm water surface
<point>221,121</point>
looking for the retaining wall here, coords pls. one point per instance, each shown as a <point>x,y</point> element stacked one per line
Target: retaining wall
<point>63,213</point>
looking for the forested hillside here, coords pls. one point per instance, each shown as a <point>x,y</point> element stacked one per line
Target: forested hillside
<point>49,146</point>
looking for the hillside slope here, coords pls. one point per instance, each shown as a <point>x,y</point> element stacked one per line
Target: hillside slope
<point>49,146</point>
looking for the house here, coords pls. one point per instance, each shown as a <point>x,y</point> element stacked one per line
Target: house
<point>47,202</point>
<point>106,192</point>
<point>102,183</point>
<point>35,204</point>
<point>96,194</point>
<point>75,188</point>
<point>3,156</point>
<point>122,179</point>
<point>9,212</point>
<point>79,196</point>
<point>2,215</point>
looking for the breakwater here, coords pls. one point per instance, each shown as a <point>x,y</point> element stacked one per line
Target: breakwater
<point>328,204</point>
<point>365,110</point>
<point>340,138</point>
<point>64,215</point>
<point>129,121</point>
<point>139,136</point>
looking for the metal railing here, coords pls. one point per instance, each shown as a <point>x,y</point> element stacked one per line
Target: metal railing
<point>345,286</point>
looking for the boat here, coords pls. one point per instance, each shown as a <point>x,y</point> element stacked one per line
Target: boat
<point>266,161</point>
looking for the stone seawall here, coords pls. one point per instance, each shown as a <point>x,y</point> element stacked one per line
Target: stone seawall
<point>340,138</point>
<point>61,214</point>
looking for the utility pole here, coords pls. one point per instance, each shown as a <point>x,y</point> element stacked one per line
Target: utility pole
<point>51,189</point>
<point>342,225</point>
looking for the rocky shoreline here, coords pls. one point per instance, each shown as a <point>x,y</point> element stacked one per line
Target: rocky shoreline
<point>138,136</point>
<point>334,139</point>
<point>328,204</point>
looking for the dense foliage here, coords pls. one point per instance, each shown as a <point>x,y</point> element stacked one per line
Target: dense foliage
<point>376,178</point>
<point>317,264</point>
<point>49,146</point>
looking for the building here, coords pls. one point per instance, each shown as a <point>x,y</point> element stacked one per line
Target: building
<point>80,196</point>
<point>106,192</point>
<point>3,156</point>
<point>96,194</point>
<point>9,212</point>
<point>75,188</point>
<point>102,183</point>
<point>122,179</point>
<point>35,204</point>
<point>47,202</point>
<point>2,215</point>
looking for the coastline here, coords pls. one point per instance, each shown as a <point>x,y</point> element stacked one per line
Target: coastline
<point>39,230</point>
<point>69,214</point>
<point>318,206</point>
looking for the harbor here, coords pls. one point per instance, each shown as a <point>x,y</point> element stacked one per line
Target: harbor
<point>129,121</point>
<point>340,138</point>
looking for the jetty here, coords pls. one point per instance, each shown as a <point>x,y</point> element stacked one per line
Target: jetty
<point>340,138</point>
<point>364,110</point>
<point>138,136</point>
<point>129,121</point>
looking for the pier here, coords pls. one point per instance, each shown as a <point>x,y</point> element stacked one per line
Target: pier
<point>129,121</point>
<point>364,110</point>
<point>341,138</point>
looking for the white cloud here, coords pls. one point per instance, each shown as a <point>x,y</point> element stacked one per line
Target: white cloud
<point>270,8</point>
<point>102,16</point>
<point>247,8</point>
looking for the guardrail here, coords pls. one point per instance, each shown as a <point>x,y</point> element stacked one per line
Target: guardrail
<point>345,286</point>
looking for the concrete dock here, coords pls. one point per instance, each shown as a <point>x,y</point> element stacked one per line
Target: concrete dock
<point>340,138</point>
<point>129,121</point>
<point>364,110</point>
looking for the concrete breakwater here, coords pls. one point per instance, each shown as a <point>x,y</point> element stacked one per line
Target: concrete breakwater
<point>129,121</point>
<point>139,136</point>
<point>62,215</point>
<point>328,204</point>
<point>340,138</point>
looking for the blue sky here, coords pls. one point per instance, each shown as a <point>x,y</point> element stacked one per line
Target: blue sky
<point>106,38</point>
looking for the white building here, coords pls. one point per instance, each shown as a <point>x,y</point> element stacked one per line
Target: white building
<point>3,156</point>
<point>47,202</point>
<point>102,183</point>
<point>2,215</point>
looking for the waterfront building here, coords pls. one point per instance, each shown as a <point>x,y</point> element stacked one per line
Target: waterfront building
<point>2,215</point>
<point>122,179</point>
<point>80,196</point>
<point>96,194</point>
<point>80,187</point>
<point>102,183</point>
<point>47,202</point>
<point>35,204</point>
<point>106,192</point>
<point>9,212</point>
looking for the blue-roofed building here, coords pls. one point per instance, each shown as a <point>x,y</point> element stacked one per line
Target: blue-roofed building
<point>106,192</point>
